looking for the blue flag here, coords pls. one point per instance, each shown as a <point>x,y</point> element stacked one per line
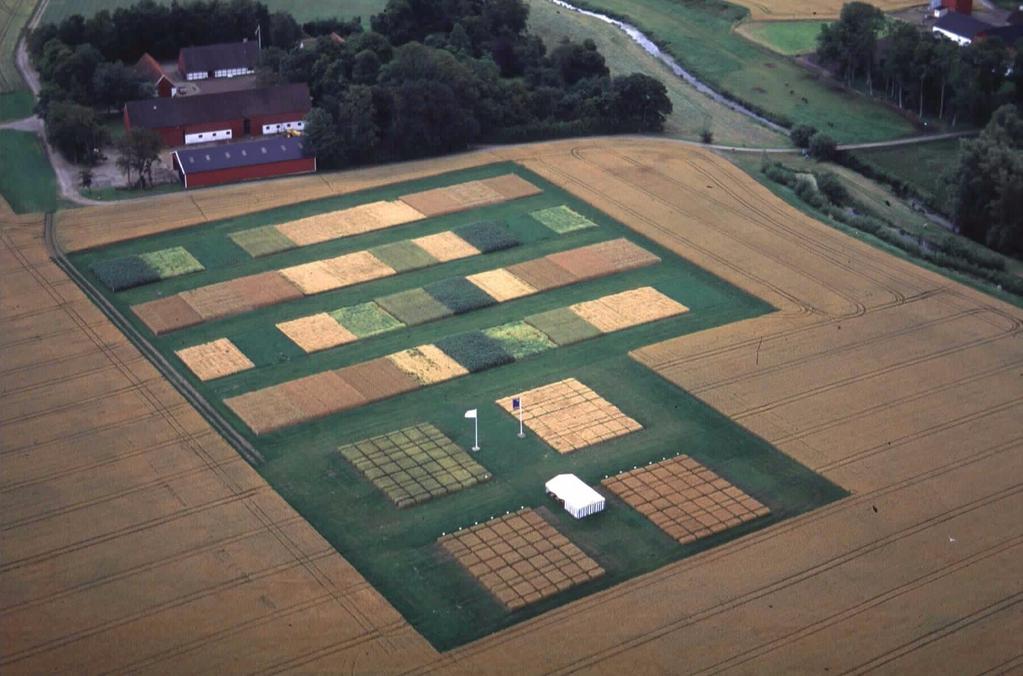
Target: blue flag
<point>516,404</point>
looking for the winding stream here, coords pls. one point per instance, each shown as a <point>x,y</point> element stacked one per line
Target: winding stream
<point>653,50</point>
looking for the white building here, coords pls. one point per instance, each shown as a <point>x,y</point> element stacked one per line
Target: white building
<point>575,496</point>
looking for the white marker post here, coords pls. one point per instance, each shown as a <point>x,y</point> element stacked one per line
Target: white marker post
<point>471,413</point>
<point>517,405</point>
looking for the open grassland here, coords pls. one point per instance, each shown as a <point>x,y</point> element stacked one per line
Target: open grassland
<point>27,181</point>
<point>921,165</point>
<point>14,15</point>
<point>298,408</point>
<point>785,10</point>
<point>15,105</point>
<point>302,10</point>
<point>129,521</point>
<point>785,37</point>
<point>700,36</point>
<point>692,111</point>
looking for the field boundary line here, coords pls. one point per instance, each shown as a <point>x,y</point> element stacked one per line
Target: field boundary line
<point>212,416</point>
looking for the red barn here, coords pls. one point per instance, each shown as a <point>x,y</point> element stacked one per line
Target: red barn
<point>242,161</point>
<point>961,6</point>
<point>221,117</point>
<point>148,68</point>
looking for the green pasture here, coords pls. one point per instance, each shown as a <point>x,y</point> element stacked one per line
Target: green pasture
<point>785,37</point>
<point>692,111</point>
<point>700,35</point>
<point>395,548</point>
<point>16,105</point>
<point>302,10</point>
<point>27,180</point>
<point>920,165</point>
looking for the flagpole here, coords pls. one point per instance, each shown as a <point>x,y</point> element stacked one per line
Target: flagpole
<point>522,434</point>
<point>476,421</point>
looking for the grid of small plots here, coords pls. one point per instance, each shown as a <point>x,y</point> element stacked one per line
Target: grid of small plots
<point>685,499</point>
<point>414,464</point>
<point>520,558</point>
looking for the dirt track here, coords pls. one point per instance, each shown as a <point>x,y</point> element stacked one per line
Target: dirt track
<point>135,538</point>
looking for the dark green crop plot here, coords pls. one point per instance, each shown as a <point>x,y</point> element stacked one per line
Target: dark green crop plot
<point>459,295</point>
<point>403,256</point>
<point>563,326</point>
<point>475,350</point>
<point>414,306</point>
<point>131,271</point>
<point>487,236</point>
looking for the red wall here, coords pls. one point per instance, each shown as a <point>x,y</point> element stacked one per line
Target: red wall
<point>256,123</point>
<point>163,88</point>
<point>961,6</point>
<point>234,175</point>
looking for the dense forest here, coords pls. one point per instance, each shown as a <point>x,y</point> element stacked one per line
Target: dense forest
<point>427,77</point>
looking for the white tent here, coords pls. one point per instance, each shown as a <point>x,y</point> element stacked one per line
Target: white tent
<point>578,499</point>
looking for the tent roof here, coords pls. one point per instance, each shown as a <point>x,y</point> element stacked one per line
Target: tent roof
<point>573,490</point>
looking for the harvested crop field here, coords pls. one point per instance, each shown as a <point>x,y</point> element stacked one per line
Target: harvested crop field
<point>414,464</point>
<point>215,359</point>
<point>685,499</point>
<point>787,10</point>
<point>915,396</point>
<point>569,416</point>
<point>520,558</point>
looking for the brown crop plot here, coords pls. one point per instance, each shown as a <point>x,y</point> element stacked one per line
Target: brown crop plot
<point>628,308</point>
<point>543,274</point>
<point>167,314</point>
<point>520,558</point>
<point>316,332</point>
<point>511,186</point>
<point>895,382</point>
<point>685,499</point>
<point>378,379</point>
<point>569,416</point>
<point>215,359</point>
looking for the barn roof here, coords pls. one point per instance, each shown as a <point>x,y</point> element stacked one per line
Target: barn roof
<point>246,103</point>
<point>962,25</point>
<point>220,56</point>
<point>245,154</point>
<point>150,68</point>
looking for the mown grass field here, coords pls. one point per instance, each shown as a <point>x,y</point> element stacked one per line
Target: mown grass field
<point>16,105</point>
<point>395,549</point>
<point>785,37</point>
<point>27,181</point>
<point>302,10</point>
<point>14,14</point>
<point>921,165</point>
<point>692,111</point>
<point>700,36</point>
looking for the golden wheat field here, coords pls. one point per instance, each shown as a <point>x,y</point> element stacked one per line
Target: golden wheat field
<point>788,10</point>
<point>129,522</point>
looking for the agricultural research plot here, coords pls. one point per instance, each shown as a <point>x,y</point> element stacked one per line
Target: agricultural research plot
<point>472,352</point>
<point>447,297</point>
<point>570,416</point>
<point>562,219</point>
<point>380,215</point>
<point>414,464</point>
<point>563,326</point>
<point>629,308</point>
<point>243,294</point>
<point>685,499</point>
<point>128,272</point>
<point>216,359</point>
<point>520,558</point>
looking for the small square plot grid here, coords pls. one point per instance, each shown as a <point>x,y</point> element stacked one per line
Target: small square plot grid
<point>414,464</point>
<point>685,499</point>
<point>520,558</point>
<point>568,415</point>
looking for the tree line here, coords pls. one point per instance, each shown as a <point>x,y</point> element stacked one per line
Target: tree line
<point>920,71</point>
<point>427,77</point>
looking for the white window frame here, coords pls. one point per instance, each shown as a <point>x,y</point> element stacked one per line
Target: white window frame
<point>209,136</point>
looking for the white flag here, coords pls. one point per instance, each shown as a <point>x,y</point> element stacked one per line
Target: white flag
<point>471,413</point>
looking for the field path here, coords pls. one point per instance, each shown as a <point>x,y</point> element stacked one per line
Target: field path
<point>129,522</point>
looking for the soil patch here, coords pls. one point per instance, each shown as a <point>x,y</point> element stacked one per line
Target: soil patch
<point>167,314</point>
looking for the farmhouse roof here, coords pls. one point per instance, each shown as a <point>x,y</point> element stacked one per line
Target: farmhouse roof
<point>220,56</point>
<point>245,154</point>
<point>247,103</point>
<point>150,68</point>
<point>963,25</point>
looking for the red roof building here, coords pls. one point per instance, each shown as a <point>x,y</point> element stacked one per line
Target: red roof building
<point>184,120</point>
<point>247,161</point>
<point>148,67</point>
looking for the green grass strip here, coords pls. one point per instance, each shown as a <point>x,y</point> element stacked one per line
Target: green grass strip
<point>563,326</point>
<point>403,256</point>
<point>414,306</point>
<point>459,295</point>
<point>172,262</point>
<point>262,241</point>
<point>366,319</point>
<point>562,219</point>
<point>520,339</point>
